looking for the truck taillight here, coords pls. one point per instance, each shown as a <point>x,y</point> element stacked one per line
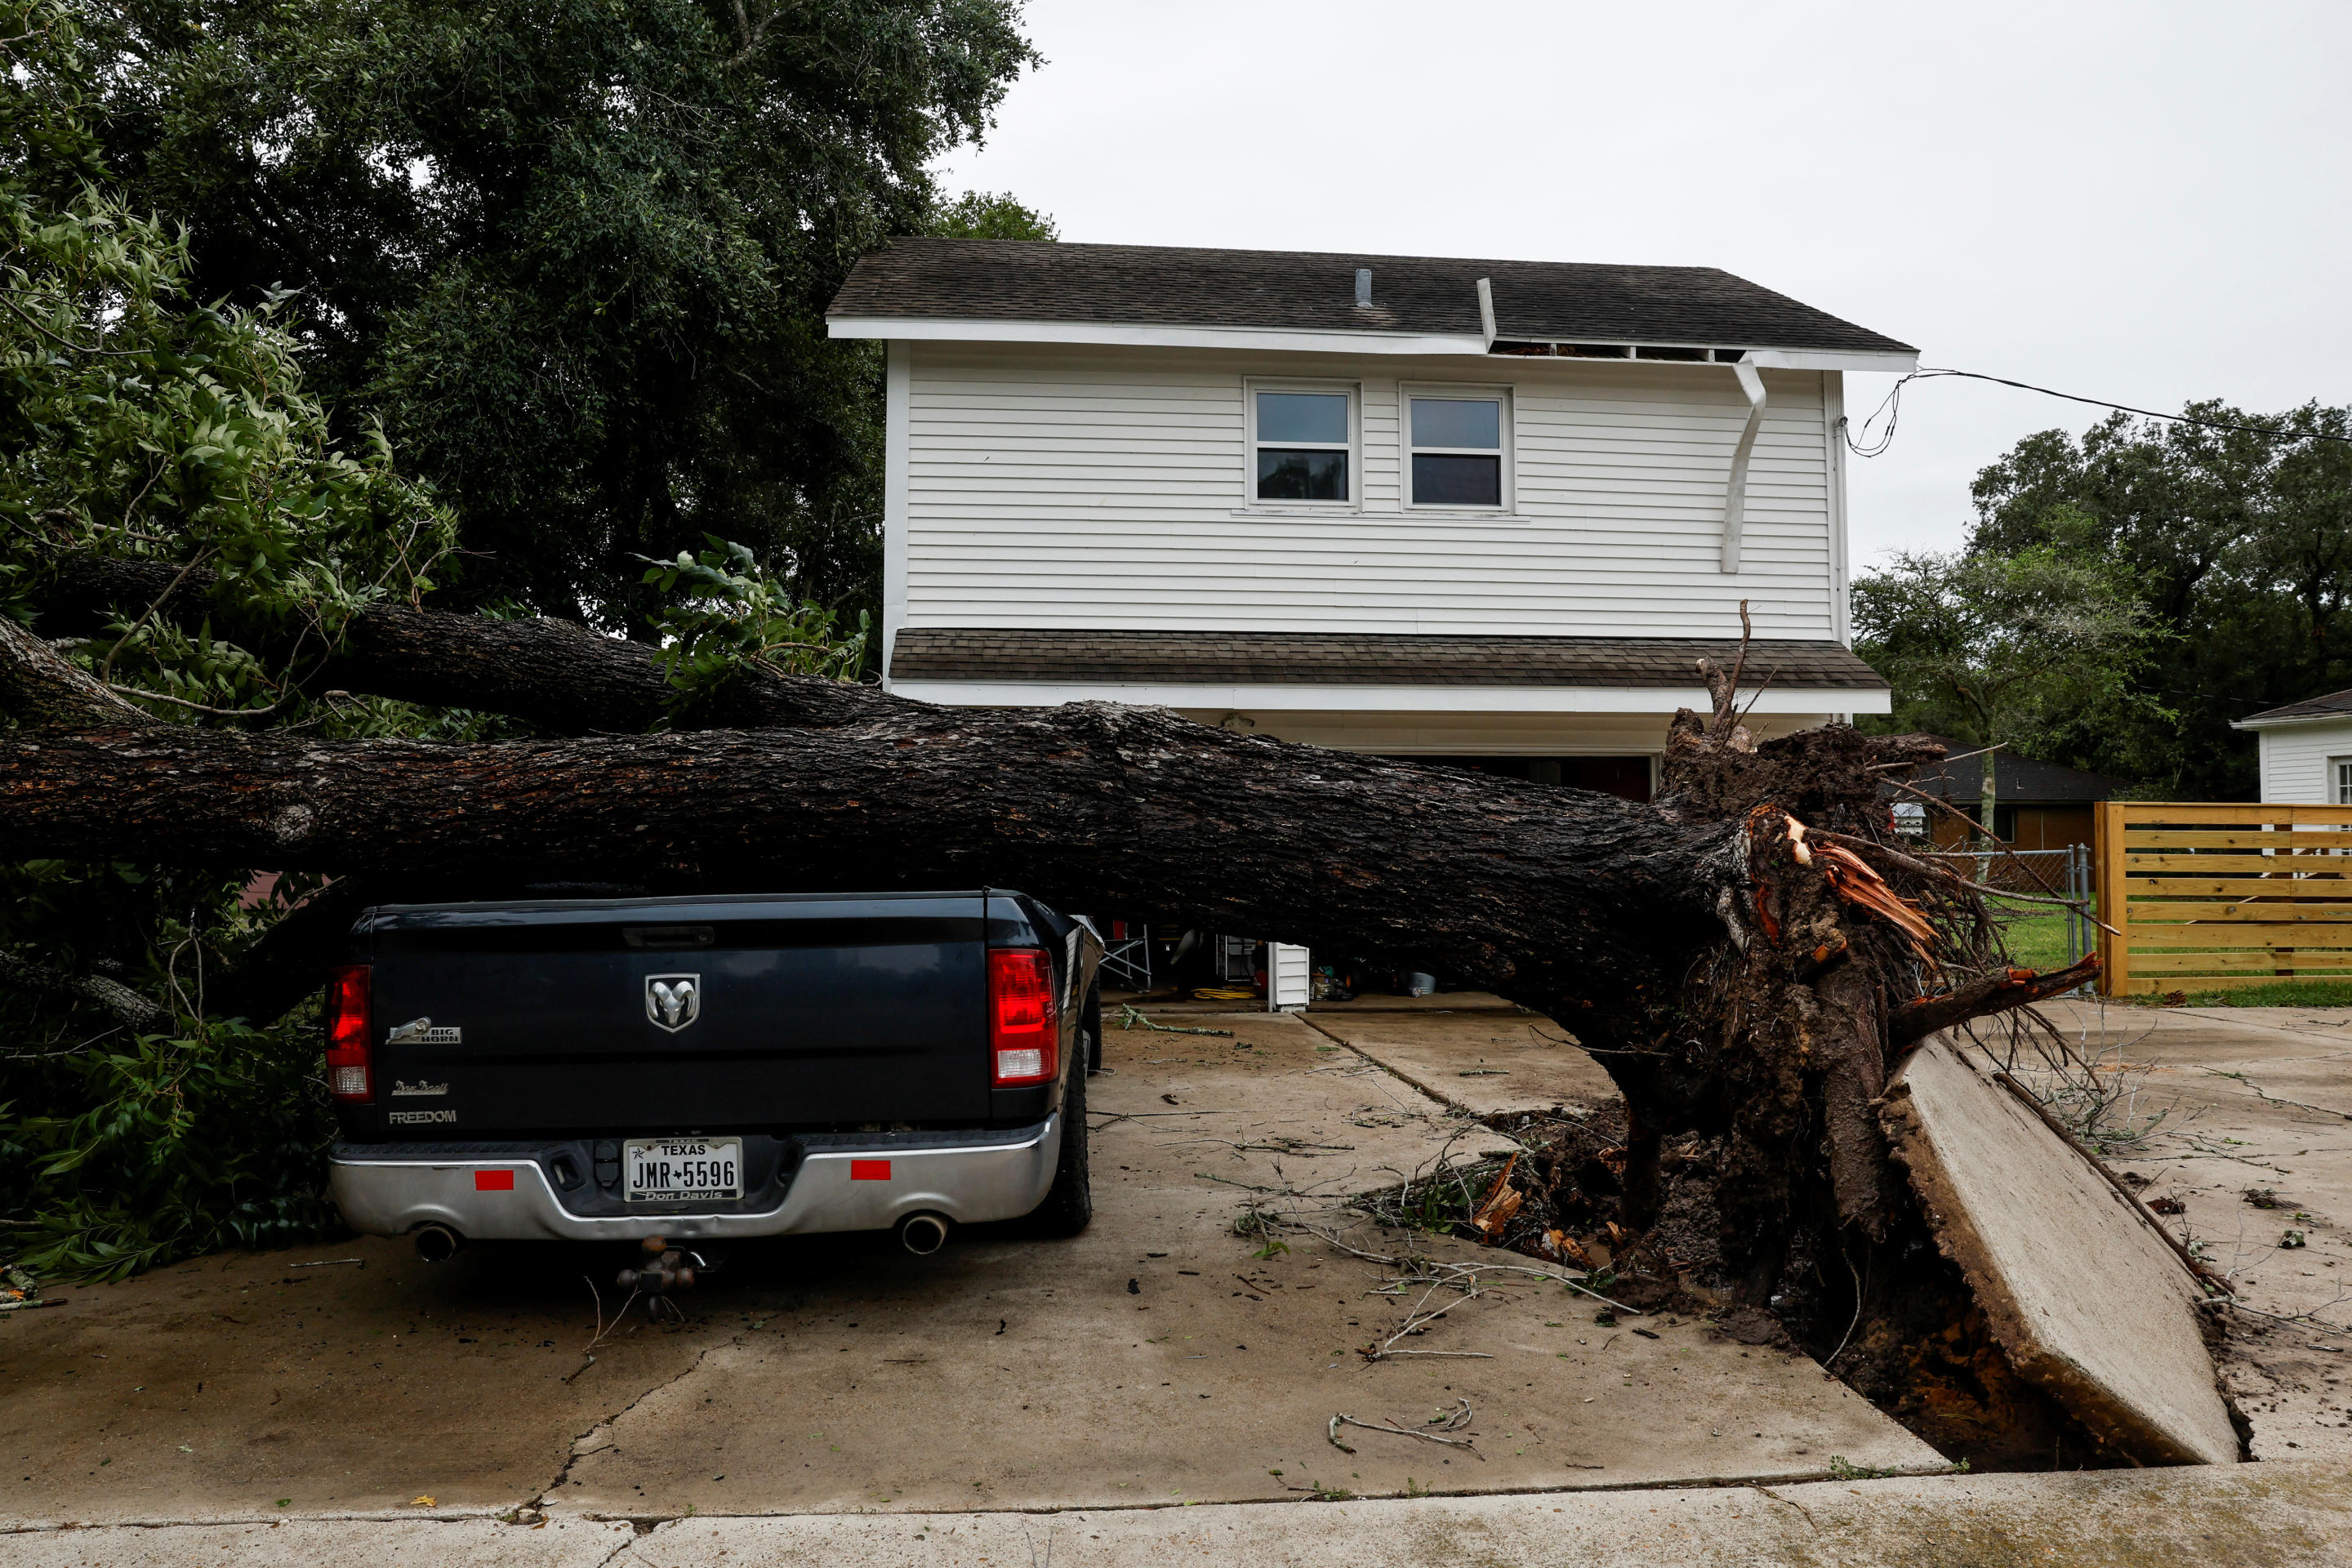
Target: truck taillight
<point>1024,1035</point>
<point>350,1065</point>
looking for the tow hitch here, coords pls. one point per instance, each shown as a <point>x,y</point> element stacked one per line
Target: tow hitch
<point>665,1272</point>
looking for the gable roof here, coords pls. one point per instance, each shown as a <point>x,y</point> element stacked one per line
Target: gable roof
<point>1283,290</point>
<point>2335,705</point>
<point>2018,781</point>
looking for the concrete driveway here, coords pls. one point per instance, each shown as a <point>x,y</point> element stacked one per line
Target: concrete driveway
<point>1157,1359</point>
<point>390,1411</point>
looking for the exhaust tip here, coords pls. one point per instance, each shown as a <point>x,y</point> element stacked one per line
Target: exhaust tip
<point>438,1243</point>
<point>922,1233</point>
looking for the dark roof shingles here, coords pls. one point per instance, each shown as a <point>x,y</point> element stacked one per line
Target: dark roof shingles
<point>1311,290</point>
<point>2334,704</point>
<point>1350,658</point>
<point>2022,780</point>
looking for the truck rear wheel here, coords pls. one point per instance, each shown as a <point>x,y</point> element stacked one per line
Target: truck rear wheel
<point>1070,1202</point>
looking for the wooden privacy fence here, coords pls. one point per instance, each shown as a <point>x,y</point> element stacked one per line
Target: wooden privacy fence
<point>2207,896</point>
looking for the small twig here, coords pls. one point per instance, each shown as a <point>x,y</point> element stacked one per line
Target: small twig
<point>2304,1321</point>
<point>119,688</point>
<point>106,669</point>
<point>1333,1431</point>
<point>328,1263</point>
<point>590,1353</point>
<point>1941,761</point>
<point>1130,1018</point>
<point>1856,1319</point>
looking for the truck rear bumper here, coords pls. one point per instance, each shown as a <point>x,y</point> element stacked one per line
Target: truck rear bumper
<point>487,1193</point>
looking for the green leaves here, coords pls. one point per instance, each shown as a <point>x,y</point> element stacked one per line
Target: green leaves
<point>721,612</point>
<point>1991,647</point>
<point>182,1143</point>
<point>574,254</point>
<point>2239,544</point>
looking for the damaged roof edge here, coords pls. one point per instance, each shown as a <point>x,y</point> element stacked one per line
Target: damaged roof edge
<point>1028,290</point>
<point>1147,334</point>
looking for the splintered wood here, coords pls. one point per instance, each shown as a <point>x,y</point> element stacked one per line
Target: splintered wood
<point>1502,1201</point>
<point>1851,877</point>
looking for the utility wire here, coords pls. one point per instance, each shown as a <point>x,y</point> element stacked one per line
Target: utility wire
<point>1891,409</point>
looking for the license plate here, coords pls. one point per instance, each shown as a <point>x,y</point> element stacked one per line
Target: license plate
<point>680,1170</point>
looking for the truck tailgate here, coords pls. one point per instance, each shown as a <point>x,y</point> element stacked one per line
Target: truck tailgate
<point>641,1015</point>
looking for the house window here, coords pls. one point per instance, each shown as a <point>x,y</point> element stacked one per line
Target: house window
<point>1302,442</point>
<point>2340,781</point>
<point>1456,453</point>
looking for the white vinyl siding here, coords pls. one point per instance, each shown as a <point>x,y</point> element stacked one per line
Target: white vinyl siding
<point>2296,760</point>
<point>1100,488</point>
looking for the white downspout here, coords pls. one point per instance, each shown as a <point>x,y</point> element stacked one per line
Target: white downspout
<point>1735,496</point>
<point>1487,309</point>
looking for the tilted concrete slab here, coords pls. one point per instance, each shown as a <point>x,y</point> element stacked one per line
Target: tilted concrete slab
<point>2083,1294</point>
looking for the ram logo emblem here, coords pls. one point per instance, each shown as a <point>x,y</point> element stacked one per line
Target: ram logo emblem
<point>673,1001</point>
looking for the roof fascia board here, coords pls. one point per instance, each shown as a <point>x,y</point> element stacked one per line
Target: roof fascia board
<point>1286,696</point>
<point>1833,359</point>
<point>2257,723</point>
<point>1120,334</point>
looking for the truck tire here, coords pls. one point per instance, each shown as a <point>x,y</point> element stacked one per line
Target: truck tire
<point>1090,1035</point>
<point>1070,1202</point>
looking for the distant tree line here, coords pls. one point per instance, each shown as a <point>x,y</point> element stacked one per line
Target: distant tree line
<point>2123,595</point>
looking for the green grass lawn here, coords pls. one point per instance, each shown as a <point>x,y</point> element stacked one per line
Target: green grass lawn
<point>2037,939</point>
<point>2036,934</point>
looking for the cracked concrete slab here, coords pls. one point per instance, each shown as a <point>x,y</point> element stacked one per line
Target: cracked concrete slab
<point>216,1388</point>
<point>2205,1122</point>
<point>1160,1358</point>
<point>843,1373</point>
<point>1486,1061</point>
<point>329,1543</point>
<point>2297,1516</point>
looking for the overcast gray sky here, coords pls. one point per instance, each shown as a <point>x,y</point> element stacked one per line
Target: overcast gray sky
<point>2143,201</point>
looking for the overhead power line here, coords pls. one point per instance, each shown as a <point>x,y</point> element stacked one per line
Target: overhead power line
<point>1891,410</point>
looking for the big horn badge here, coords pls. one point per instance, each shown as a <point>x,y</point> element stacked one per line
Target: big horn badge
<point>673,1001</point>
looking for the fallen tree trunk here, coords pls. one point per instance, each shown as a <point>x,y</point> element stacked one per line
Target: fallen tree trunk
<point>556,675</point>
<point>1744,988</point>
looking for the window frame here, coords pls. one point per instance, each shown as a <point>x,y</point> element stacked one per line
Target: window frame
<point>2338,781</point>
<point>1353,391</point>
<point>1506,432</point>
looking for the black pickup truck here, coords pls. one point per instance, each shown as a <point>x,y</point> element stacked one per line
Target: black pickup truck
<point>708,1068</point>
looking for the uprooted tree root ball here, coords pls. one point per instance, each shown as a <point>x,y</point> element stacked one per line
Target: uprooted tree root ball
<point>1919,1348</point>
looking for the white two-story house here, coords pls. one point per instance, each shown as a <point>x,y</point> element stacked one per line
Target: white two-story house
<point>1491,511</point>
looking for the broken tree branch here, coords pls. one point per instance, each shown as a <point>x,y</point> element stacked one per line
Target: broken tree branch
<point>1915,1021</point>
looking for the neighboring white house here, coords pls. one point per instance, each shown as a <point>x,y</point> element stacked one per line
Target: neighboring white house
<point>1475,510</point>
<point>2306,751</point>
